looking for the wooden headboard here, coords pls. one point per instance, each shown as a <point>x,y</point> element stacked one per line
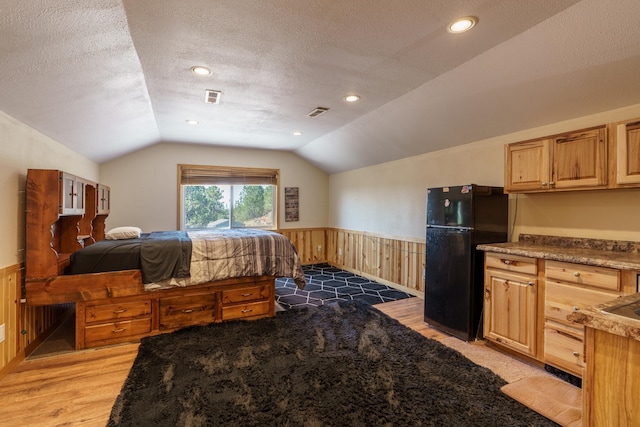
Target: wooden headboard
<point>64,213</point>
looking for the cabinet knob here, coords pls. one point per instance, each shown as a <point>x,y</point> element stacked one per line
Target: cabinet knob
<point>506,261</point>
<point>576,308</point>
<point>551,184</point>
<point>529,283</point>
<point>576,273</point>
<point>575,353</point>
<point>544,184</point>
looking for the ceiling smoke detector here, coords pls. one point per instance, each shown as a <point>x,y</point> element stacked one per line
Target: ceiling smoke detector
<point>212,96</point>
<point>317,111</point>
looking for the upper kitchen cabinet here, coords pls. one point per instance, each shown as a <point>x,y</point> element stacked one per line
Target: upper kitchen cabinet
<point>527,166</point>
<point>570,161</point>
<point>627,153</point>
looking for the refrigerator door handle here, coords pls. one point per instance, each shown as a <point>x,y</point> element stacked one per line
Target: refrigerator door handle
<point>449,227</point>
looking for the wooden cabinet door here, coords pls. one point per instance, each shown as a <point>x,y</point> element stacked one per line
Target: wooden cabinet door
<point>628,153</point>
<point>104,200</point>
<point>579,159</point>
<point>527,166</point>
<point>72,194</point>
<point>510,311</point>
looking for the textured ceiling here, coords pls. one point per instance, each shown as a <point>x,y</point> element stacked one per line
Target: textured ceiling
<point>107,77</point>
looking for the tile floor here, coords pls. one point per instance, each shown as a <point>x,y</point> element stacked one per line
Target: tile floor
<point>326,283</point>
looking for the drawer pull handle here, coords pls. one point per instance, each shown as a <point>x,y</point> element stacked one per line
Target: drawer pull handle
<point>119,311</point>
<point>118,330</point>
<point>247,311</point>
<point>576,273</point>
<point>576,308</point>
<point>247,295</point>
<point>576,354</point>
<point>188,310</point>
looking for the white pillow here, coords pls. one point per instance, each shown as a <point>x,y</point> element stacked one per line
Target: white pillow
<point>121,233</point>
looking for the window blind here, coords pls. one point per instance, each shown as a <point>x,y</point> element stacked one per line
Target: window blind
<point>224,175</point>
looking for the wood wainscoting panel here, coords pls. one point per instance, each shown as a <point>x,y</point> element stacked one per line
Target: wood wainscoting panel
<point>309,242</point>
<point>391,260</point>
<point>10,293</point>
<point>25,326</point>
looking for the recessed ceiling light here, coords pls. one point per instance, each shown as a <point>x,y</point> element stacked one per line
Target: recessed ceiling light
<point>296,133</point>
<point>200,70</point>
<point>352,98</point>
<point>192,122</point>
<point>463,24</point>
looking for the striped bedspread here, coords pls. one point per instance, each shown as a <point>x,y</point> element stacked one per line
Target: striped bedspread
<point>223,254</point>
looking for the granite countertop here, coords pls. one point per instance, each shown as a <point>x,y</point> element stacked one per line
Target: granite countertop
<point>622,255</point>
<point>595,318</point>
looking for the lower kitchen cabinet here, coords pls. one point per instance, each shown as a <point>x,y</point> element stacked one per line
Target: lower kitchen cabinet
<point>572,287</point>
<point>527,301</point>
<point>510,302</point>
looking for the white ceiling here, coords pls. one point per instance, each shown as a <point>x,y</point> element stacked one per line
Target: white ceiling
<point>108,77</point>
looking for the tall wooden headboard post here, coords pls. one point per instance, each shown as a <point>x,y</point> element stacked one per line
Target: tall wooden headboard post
<point>63,215</point>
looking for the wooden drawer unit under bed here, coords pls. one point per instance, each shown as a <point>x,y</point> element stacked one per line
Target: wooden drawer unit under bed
<point>177,312</point>
<point>248,302</point>
<point>102,323</point>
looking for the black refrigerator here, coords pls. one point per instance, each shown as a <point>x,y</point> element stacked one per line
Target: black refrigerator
<point>458,219</point>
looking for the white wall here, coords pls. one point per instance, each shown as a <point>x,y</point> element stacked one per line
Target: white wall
<point>390,198</point>
<point>144,184</point>
<point>25,148</point>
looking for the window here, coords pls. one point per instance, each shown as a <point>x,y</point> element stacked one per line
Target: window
<point>226,197</point>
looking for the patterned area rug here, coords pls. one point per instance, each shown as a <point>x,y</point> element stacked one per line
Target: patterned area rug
<point>326,284</point>
<point>340,364</point>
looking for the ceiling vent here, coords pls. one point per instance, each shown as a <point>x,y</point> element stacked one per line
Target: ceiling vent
<point>212,96</point>
<point>317,111</point>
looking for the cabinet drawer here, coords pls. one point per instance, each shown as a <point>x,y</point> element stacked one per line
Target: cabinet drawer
<point>177,312</point>
<point>562,299</point>
<point>240,311</point>
<point>129,310</point>
<point>600,277</point>
<point>514,263</point>
<point>563,350</point>
<point>246,294</point>
<point>114,332</point>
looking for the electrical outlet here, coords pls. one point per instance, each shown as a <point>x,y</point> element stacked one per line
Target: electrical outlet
<point>2,332</point>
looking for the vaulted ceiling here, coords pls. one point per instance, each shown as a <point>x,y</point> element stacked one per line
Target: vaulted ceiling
<point>108,77</point>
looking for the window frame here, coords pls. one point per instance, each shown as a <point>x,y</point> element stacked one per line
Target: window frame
<point>227,175</point>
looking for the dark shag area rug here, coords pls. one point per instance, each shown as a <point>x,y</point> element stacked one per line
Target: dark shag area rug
<point>342,364</point>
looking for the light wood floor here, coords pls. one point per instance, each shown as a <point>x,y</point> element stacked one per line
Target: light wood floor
<point>78,389</point>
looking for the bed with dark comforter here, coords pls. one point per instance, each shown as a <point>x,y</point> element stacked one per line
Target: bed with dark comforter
<point>179,258</point>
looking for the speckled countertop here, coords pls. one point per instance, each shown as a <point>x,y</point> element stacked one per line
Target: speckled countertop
<point>595,317</point>
<point>617,254</point>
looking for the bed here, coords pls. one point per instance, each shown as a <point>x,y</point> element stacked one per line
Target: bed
<point>169,259</point>
<point>129,288</point>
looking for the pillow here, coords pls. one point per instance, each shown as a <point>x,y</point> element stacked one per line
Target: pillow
<point>121,233</point>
